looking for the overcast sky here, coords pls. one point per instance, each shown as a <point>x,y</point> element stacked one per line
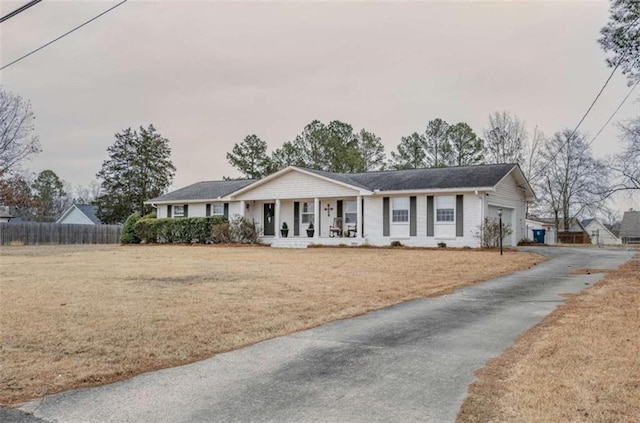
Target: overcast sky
<point>208,73</point>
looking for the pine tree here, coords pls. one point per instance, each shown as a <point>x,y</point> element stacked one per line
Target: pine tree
<point>139,168</point>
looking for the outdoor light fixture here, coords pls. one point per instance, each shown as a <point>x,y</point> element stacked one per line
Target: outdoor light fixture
<point>500,222</point>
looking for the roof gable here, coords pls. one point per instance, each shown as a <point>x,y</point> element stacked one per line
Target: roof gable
<point>82,212</point>
<point>90,211</point>
<point>294,182</point>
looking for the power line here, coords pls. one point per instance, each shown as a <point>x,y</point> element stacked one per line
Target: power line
<point>63,35</point>
<point>593,102</point>
<point>19,10</point>
<point>616,111</point>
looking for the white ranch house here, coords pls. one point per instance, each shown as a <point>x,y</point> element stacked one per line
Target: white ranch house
<point>418,207</point>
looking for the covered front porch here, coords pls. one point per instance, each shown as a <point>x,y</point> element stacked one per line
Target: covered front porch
<point>304,221</point>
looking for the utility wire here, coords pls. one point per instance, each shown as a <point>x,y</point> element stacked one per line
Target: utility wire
<point>62,36</point>
<point>541,169</point>
<point>19,10</point>
<point>616,111</point>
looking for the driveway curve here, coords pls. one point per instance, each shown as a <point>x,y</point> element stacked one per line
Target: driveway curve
<point>409,362</point>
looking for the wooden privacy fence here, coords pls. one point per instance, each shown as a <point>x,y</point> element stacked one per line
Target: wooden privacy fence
<point>34,233</point>
<point>573,238</point>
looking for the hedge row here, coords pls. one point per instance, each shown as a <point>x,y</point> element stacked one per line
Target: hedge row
<point>187,230</point>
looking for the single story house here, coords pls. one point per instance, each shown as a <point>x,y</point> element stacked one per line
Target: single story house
<point>418,207</point>
<point>630,227</point>
<point>600,234</point>
<point>80,214</point>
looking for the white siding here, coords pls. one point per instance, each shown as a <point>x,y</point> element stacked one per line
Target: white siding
<point>199,209</point>
<point>509,196</point>
<point>472,209</point>
<point>294,185</point>
<point>602,236</point>
<point>235,209</point>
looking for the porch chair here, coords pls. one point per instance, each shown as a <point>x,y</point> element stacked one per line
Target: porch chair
<point>336,228</point>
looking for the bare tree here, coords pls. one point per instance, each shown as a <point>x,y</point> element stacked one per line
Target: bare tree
<point>626,165</point>
<point>86,194</point>
<point>17,138</point>
<point>531,156</point>
<point>571,179</point>
<point>505,138</point>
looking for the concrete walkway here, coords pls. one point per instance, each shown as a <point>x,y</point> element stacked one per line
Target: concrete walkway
<point>410,362</point>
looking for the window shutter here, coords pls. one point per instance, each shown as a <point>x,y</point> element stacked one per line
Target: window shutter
<point>186,210</point>
<point>169,210</point>
<point>430,215</point>
<point>362,225</point>
<point>385,216</point>
<point>208,210</point>
<point>413,218</point>
<point>226,210</point>
<point>459,216</point>
<point>339,208</point>
<point>296,218</point>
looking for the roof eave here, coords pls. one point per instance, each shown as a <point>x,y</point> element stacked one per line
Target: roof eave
<point>433,190</point>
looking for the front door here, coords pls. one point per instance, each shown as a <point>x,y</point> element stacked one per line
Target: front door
<point>269,221</point>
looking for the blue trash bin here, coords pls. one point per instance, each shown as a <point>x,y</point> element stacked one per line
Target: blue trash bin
<point>538,235</point>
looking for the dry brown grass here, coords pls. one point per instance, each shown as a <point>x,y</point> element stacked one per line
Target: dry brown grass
<point>580,364</point>
<point>75,316</point>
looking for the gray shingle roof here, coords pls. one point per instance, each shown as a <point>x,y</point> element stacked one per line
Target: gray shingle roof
<point>630,227</point>
<point>207,190</point>
<point>432,178</point>
<point>587,222</point>
<point>90,211</point>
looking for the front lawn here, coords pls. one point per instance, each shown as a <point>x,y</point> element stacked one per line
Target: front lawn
<point>74,316</point>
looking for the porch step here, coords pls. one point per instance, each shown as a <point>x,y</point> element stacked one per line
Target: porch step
<point>289,245</point>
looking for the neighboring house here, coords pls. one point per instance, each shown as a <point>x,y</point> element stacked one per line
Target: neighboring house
<point>630,228</point>
<point>574,234</point>
<point>548,224</point>
<point>5,216</point>
<point>80,214</point>
<point>418,207</point>
<point>599,233</point>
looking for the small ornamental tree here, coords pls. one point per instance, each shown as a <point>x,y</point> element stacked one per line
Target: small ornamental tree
<point>489,232</point>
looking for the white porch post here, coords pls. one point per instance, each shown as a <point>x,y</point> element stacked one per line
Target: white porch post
<point>276,219</point>
<point>316,217</point>
<point>359,216</point>
<point>243,208</point>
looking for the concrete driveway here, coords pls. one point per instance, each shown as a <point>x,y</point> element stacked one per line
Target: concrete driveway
<point>410,362</point>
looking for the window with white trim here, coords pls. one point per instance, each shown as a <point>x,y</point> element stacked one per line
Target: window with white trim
<point>446,209</point>
<point>350,212</point>
<point>217,210</point>
<point>178,211</point>
<point>400,210</point>
<point>307,214</point>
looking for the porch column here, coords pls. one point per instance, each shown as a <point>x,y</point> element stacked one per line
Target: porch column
<point>359,215</point>
<point>316,217</point>
<point>276,219</point>
<point>243,208</point>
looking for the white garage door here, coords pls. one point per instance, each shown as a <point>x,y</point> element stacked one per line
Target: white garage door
<point>507,215</point>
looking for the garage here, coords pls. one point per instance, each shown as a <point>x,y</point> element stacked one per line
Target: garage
<point>507,219</point>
